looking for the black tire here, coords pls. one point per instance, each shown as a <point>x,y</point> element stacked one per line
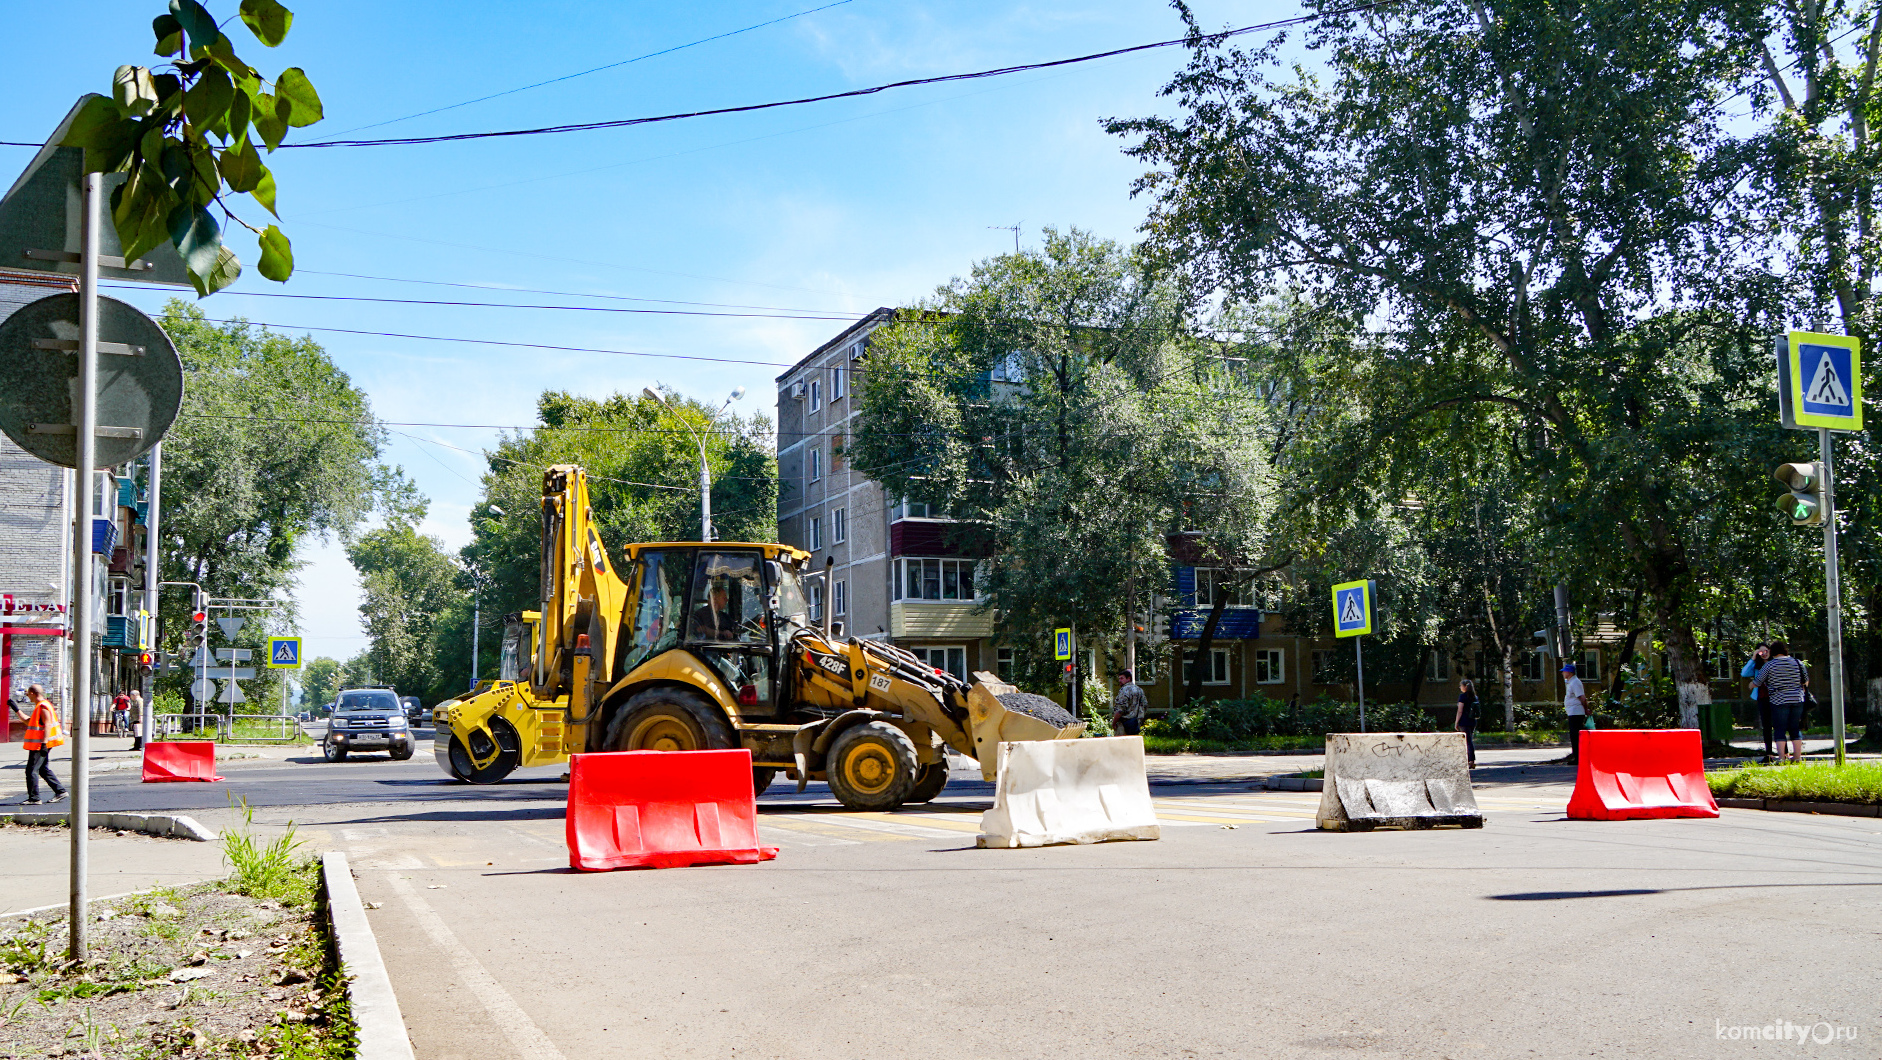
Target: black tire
<point>930,781</point>
<point>669,719</point>
<point>333,751</point>
<point>465,769</point>
<point>872,766</point>
<point>761,778</point>
<point>400,756</point>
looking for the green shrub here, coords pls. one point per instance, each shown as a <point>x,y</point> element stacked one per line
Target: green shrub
<point>1859,782</point>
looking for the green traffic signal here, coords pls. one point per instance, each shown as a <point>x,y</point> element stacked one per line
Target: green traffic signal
<point>1804,502</point>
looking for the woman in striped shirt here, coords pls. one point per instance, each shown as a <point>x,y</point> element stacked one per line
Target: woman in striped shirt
<point>1782,682</point>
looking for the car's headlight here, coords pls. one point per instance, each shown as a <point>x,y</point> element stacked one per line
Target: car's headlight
<point>398,722</point>
<point>336,723</point>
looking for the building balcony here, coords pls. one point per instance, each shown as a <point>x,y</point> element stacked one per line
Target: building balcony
<point>937,620</point>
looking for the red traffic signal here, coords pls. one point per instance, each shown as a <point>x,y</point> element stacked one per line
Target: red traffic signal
<point>199,617</point>
<point>145,659</point>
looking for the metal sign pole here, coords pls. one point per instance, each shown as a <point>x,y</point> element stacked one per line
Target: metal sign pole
<point>84,479</point>
<point>1359,657</point>
<point>1832,593</point>
<point>151,574</point>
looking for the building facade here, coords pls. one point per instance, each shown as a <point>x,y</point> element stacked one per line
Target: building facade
<point>897,572</point>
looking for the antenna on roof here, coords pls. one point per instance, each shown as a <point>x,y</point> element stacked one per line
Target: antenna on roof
<point>1013,228</point>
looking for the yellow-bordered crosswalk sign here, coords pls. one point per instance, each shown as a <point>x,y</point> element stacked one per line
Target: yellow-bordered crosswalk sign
<point>1352,609</point>
<point>1819,380</point>
<point>284,653</point>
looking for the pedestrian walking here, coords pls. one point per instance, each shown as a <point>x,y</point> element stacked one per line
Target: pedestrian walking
<point>1785,683</point>
<point>1467,716</point>
<point>1759,656</point>
<point>42,735</point>
<point>1127,710</point>
<point>137,719</point>
<point>1575,702</point>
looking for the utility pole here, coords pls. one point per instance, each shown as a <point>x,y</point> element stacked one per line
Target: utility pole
<point>705,474</point>
<point>1832,592</point>
<point>151,515</point>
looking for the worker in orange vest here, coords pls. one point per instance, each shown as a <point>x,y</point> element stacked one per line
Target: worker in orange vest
<point>42,735</point>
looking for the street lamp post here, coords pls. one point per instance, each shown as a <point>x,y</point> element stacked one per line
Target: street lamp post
<point>477,603</point>
<point>705,475</point>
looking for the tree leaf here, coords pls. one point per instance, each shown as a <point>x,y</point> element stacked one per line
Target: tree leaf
<point>197,22</point>
<point>239,110</point>
<point>268,120</point>
<point>267,20</point>
<point>107,148</point>
<point>166,85</point>
<point>197,239</point>
<point>303,101</point>
<point>169,34</point>
<point>264,191</point>
<point>133,90</point>
<point>207,104</point>
<point>223,52</point>
<point>241,166</point>
<point>139,215</point>
<point>221,274</point>
<point>277,255</point>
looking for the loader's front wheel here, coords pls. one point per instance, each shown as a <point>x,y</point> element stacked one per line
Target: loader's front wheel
<point>931,780</point>
<point>669,719</point>
<point>872,766</point>
<point>761,777</point>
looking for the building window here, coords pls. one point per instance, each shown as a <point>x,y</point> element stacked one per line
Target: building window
<point>840,598</point>
<point>836,450</point>
<point>816,464</point>
<point>816,533</point>
<point>839,526</point>
<point>911,510</point>
<point>1208,579</point>
<point>1003,664</point>
<point>816,394</point>
<point>1218,666</point>
<point>836,384</point>
<point>816,601</point>
<point>1591,666</point>
<point>1438,667</point>
<point>950,658</point>
<point>1270,666</point>
<point>1533,663</point>
<point>1326,666</point>
<point>1718,668</point>
<point>1009,369</point>
<point>934,579</point>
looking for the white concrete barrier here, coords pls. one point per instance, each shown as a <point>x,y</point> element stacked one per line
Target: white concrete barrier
<point>1070,791</point>
<point>1397,780</point>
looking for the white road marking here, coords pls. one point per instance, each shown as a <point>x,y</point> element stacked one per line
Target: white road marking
<point>529,1040</point>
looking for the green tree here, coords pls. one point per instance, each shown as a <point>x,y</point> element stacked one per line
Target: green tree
<point>407,582</point>
<point>275,447</point>
<point>319,682</point>
<point>1538,203</point>
<point>182,136</point>
<point>643,473</point>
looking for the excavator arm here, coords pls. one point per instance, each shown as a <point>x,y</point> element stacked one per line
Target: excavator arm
<point>582,601</point>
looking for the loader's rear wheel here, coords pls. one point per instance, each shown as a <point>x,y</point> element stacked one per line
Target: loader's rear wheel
<point>930,781</point>
<point>669,719</point>
<point>761,777</point>
<point>872,766</point>
<point>497,764</point>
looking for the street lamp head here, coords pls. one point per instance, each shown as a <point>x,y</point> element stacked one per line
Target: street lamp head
<point>738,392</point>
<point>652,395</point>
<point>494,510</point>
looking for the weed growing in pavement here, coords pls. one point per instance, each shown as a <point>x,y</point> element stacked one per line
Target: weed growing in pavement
<point>265,872</point>
<point>25,951</point>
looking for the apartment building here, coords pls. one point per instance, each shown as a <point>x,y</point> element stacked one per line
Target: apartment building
<point>897,572</point>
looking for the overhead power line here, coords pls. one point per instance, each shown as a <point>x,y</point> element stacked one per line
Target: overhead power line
<point>513,305</point>
<point>596,69</point>
<point>560,294</point>
<point>496,342</point>
<point>1003,71</point>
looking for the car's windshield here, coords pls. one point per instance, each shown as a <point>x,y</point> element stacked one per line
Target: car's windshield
<point>368,701</point>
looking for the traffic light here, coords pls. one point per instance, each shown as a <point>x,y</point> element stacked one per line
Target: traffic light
<point>1545,642</point>
<point>1804,503</point>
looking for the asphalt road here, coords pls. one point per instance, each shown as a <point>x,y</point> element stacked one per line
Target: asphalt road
<point>1242,932</point>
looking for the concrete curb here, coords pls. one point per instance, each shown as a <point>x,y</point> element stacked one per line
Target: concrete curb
<point>1835,809</point>
<point>1295,784</point>
<point>174,826</point>
<point>382,1033</point>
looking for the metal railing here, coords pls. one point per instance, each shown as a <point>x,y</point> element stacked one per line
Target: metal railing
<point>217,725</point>
<point>265,728</point>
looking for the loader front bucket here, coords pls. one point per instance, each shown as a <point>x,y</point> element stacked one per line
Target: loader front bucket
<point>999,713</point>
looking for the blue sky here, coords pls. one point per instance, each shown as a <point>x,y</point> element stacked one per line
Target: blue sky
<point>837,207</point>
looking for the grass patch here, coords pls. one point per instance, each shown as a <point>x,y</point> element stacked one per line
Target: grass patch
<point>270,871</point>
<point>1857,782</point>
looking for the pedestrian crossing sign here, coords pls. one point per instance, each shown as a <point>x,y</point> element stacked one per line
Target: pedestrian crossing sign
<point>284,653</point>
<point>1062,643</point>
<point>1820,381</point>
<point>1352,609</point>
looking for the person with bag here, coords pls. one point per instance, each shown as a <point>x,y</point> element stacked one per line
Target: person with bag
<point>1759,656</point>
<point>1785,685</point>
<point>42,735</point>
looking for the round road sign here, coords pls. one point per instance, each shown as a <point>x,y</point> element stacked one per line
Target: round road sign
<point>140,380</point>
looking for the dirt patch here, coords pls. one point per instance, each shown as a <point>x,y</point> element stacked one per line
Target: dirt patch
<point>194,972</point>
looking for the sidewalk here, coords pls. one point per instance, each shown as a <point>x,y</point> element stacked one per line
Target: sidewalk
<point>39,861</point>
<point>110,754</point>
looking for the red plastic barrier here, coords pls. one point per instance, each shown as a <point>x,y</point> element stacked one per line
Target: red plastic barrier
<point>662,810</point>
<point>167,760</point>
<point>1626,774</point>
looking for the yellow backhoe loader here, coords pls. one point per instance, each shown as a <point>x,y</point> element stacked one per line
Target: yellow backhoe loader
<point>699,645</point>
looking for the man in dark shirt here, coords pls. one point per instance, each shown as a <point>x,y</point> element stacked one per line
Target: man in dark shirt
<point>713,620</point>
